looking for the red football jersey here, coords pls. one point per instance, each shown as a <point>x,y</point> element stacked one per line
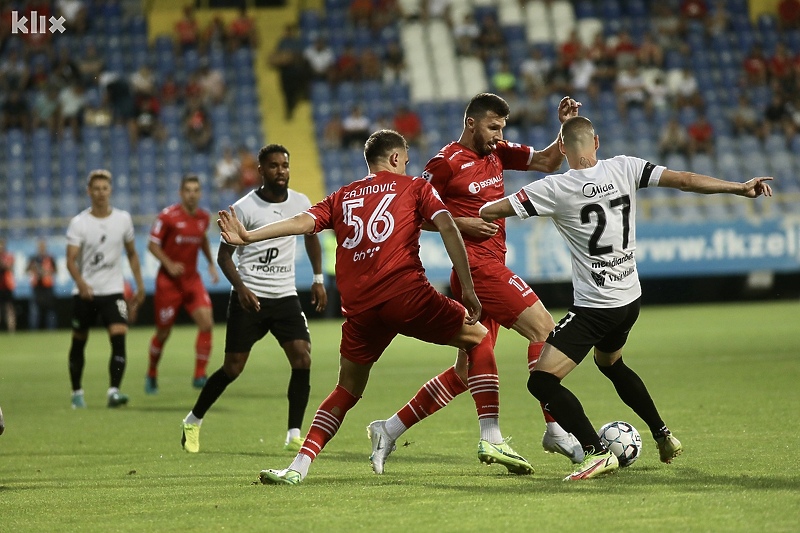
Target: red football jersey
<point>377,222</point>
<point>466,181</point>
<point>181,235</point>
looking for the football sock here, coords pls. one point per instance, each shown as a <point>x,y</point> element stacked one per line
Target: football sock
<point>154,356</point>
<point>297,393</point>
<point>112,390</point>
<point>116,366</point>
<point>76,362</point>
<point>632,391</point>
<point>482,379</point>
<point>490,430</point>
<point>565,407</point>
<point>293,433</point>
<point>434,395</point>
<point>553,428</point>
<point>191,419</point>
<point>301,464</point>
<point>534,351</point>
<point>202,350</point>
<point>327,420</point>
<point>213,389</point>
<point>394,427</point>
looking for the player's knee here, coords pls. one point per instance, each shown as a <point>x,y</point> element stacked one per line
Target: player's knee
<point>543,385</point>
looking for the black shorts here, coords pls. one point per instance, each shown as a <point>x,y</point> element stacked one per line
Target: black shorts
<point>283,317</point>
<point>6,296</point>
<point>111,309</point>
<point>586,327</point>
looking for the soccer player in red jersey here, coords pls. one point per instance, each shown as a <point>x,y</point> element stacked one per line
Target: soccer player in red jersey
<point>466,174</point>
<point>176,237</point>
<point>384,291</point>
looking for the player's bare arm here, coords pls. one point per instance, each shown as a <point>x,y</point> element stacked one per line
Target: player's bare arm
<point>173,268</point>
<point>699,183</point>
<point>550,159</point>
<point>247,299</point>
<point>212,268</point>
<point>234,232</point>
<point>472,226</point>
<point>454,245</point>
<point>314,251</point>
<point>84,290</point>
<point>498,209</point>
<point>136,269</point>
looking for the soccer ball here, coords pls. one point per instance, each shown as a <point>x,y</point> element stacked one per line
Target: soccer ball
<point>623,440</point>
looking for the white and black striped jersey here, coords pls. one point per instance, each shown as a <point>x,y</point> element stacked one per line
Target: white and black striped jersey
<point>594,209</point>
<point>267,267</point>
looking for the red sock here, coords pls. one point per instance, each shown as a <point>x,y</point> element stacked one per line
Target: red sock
<point>327,420</point>
<point>202,350</point>
<point>434,395</point>
<point>483,381</point>
<point>534,351</point>
<point>154,356</point>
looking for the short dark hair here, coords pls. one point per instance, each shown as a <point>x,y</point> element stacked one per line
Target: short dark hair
<point>98,174</point>
<point>381,143</point>
<point>271,149</point>
<point>190,178</point>
<point>576,129</point>
<point>483,103</point>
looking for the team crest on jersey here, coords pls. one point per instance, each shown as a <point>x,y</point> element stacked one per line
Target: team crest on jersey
<point>599,278</point>
<point>427,176</point>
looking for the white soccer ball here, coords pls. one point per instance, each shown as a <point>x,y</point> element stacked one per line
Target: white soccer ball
<point>623,440</point>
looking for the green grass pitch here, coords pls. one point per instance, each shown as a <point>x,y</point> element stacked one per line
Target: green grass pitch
<point>725,378</point>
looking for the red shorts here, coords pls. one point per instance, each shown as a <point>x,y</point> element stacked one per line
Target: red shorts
<point>424,314</point>
<point>503,294</point>
<point>173,293</point>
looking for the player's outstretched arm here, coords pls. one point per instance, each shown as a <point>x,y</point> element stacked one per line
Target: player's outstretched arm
<point>454,245</point>
<point>498,209</point>
<point>234,232</point>
<point>550,159</point>
<point>699,183</point>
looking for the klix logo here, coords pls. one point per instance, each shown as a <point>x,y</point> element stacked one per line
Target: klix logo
<point>38,23</point>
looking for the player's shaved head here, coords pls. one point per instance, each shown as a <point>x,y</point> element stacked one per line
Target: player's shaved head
<point>484,103</point>
<point>577,132</point>
<point>382,144</point>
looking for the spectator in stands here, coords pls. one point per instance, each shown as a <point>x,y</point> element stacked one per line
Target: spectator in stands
<point>370,68</point>
<point>65,71</point>
<point>187,31</point>
<point>46,109</point>
<point>650,53</point>
<point>72,101</point>
<point>321,59</point>
<point>394,64</point>
<point>407,123</point>
<point>242,31</point>
<point>42,270</point>
<point>693,9</point>
<point>755,66</point>
<point>687,93</point>
<point>333,132</point>
<point>719,19</point>
<point>148,123</point>
<point>143,81</point>
<point>777,118</point>
<point>570,48</point>
<point>355,128</point>
<point>491,41</point>
<point>701,136</point>
<point>119,98</point>
<point>16,112</point>
<point>503,79</point>
<point>780,65</point>
<point>7,285</point>
<point>436,9</point>
<point>581,71</point>
<point>248,170</point>
<point>197,125</point>
<point>744,117</point>
<point>666,26</point>
<point>466,33</point>
<point>74,13</point>
<point>41,41</point>
<point>673,139</point>
<point>170,90</point>
<point>288,59</point>
<point>657,91</point>
<point>13,71</point>
<point>360,12</point>
<point>226,175</point>
<point>789,14</point>
<point>528,110</point>
<point>347,68</point>
<point>630,89</point>
<point>38,77</point>
<point>625,50</point>
<point>535,68</point>
<point>90,65</point>
<point>212,83</point>
<point>559,79</point>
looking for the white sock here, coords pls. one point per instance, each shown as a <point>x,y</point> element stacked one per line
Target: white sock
<point>490,430</point>
<point>78,392</point>
<point>112,390</point>
<point>394,427</point>
<point>191,419</point>
<point>300,464</point>
<point>554,429</point>
<point>293,433</point>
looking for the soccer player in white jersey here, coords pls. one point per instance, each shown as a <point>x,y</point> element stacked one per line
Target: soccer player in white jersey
<point>95,240</point>
<point>264,298</point>
<point>593,206</point>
